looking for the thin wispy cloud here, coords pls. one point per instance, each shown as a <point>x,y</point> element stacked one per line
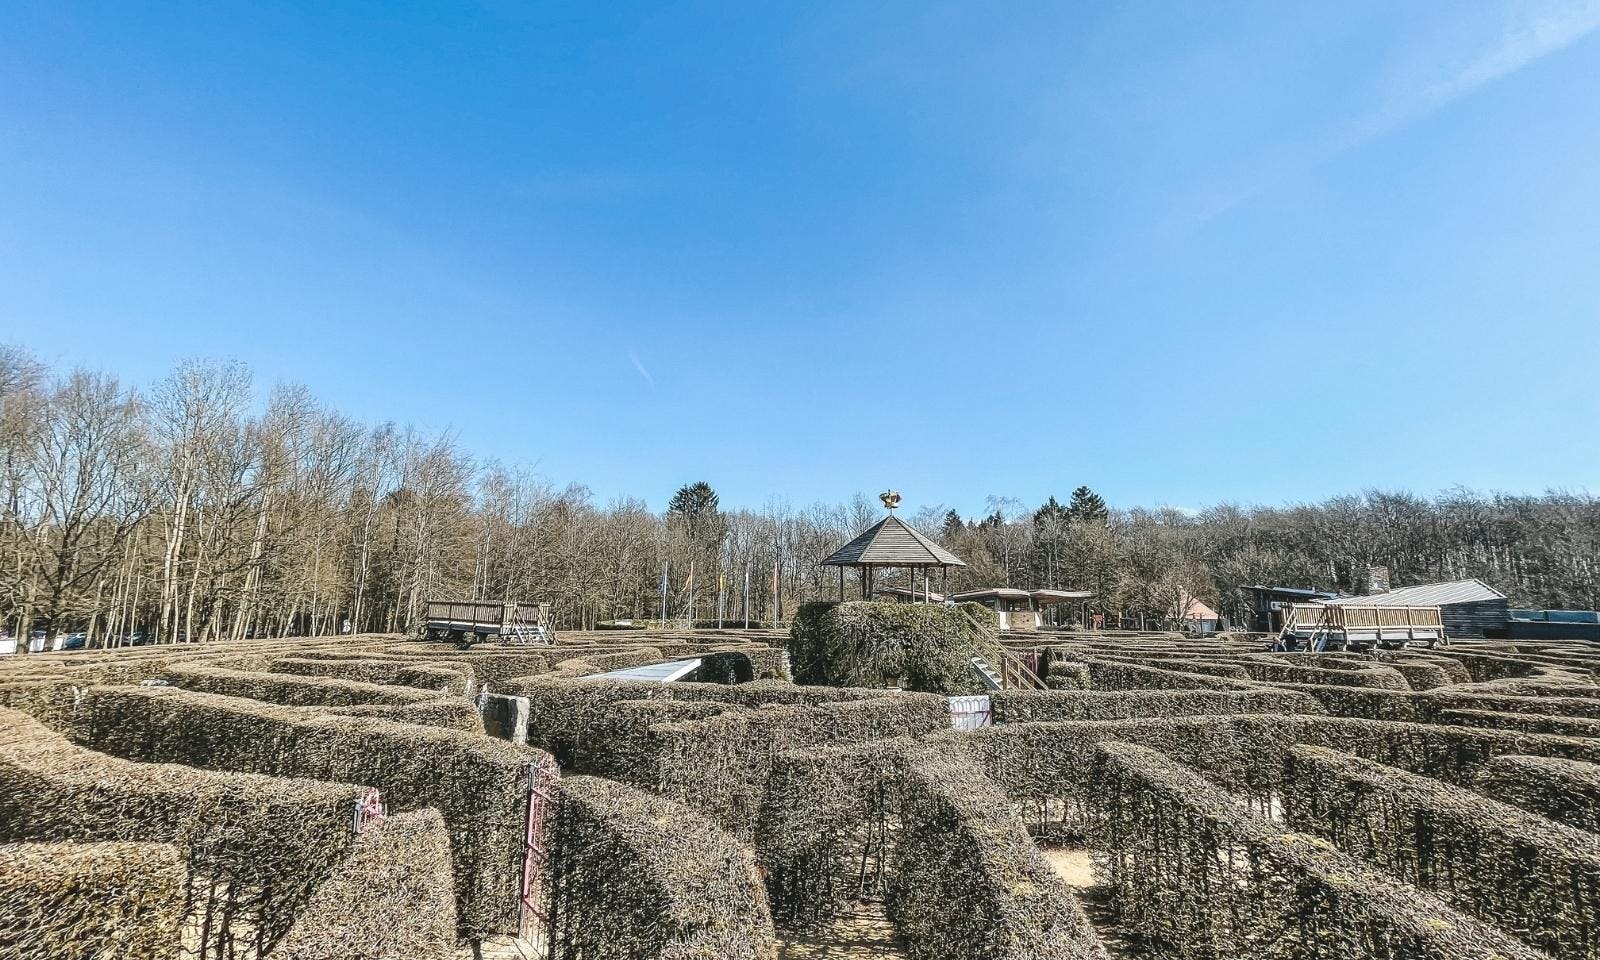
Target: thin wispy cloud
<point>639,366</point>
<point>1530,32</point>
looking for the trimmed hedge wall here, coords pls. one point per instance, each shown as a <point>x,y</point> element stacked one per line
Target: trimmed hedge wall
<point>292,691</point>
<point>1271,671</point>
<point>711,754</point>
<point>637,877</point>
<point>1588,727</point>
<point>451,677</point>
<point>90,900</point>
<point>1516,870</point>
<point>967,882</point>
<point>478,783</point>
<point>1567,791</point>
<point>1559,706</point>
<point>266,841</point>
<point>824,827</point>
<point>1046,766</point>
<point>391,900</point>
<point>1197,875</point>
<point>1023,706</point>
<point>1114,675</point>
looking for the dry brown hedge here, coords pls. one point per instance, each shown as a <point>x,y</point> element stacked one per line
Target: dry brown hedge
<point>391,899</point>
<point>1513,869</point>
<point>294,691</point>
<point>117,901</point>
<point>453,677</point>
<point>638,877</point>
<point>1588,727</point>
<point>1567,791</point>
<point>825,827</point>
<point>968,883</point>
<point>1046,766</point>
<point>266,842</point>
<point>1201,878</point>
<point>1025,706</point>
<point>479,784</point>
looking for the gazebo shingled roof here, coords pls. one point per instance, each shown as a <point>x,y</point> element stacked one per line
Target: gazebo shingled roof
<point>890,543</point>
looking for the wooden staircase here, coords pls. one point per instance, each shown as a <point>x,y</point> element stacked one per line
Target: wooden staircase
<point>1014,673</point>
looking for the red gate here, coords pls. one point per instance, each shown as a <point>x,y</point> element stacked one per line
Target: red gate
<point>533,940</point>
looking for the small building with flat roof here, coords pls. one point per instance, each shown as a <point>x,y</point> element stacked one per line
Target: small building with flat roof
<point>1019,609</point>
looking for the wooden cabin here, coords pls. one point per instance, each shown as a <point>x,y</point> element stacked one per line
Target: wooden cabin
<point>1269,604</point>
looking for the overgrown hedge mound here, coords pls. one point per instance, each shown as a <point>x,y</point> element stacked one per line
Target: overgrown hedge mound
<point>865,644</point>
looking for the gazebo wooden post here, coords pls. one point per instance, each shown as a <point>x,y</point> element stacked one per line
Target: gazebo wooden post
<point>841,584</point>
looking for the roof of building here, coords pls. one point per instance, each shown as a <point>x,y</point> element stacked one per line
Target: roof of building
<point>1197,610</point>
<point>991,593</point>
<point>1295,591</point>
<point>1425,595</point>
<point>890,543</point>
<point>1012,593</point>
<point>1058,596</point>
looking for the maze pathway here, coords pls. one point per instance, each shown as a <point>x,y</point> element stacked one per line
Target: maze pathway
<point>499,948</point>
<point>1075,867</point>
<point>863,932</point>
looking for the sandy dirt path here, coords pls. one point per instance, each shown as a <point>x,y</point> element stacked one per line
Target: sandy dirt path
<point>1077,869</point>
<point>863,932</point>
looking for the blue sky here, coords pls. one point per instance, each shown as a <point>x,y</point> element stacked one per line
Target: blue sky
<point>1181,253</point>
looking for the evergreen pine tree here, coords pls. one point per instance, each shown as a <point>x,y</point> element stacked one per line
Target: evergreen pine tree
<point>1087,505</point>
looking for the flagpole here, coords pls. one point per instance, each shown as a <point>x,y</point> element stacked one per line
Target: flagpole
<point>746,617</point>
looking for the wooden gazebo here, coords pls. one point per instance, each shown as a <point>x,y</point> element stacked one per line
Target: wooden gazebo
<point>890,543</point>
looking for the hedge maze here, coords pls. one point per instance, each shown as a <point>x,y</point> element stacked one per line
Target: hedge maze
<point>1165,797</point>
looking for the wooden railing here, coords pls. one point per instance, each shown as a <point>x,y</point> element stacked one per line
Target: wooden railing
<point>485,613</point>
<point>463,611</point>
<point>1017,673</point>
<point>1304,616</point>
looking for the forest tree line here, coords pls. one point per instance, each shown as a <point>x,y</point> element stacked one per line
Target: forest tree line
<point>187,511</point>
